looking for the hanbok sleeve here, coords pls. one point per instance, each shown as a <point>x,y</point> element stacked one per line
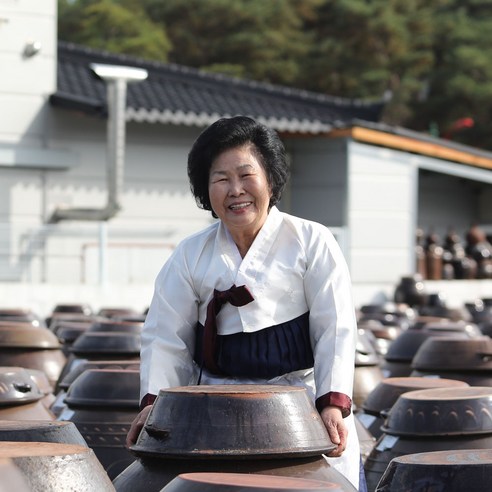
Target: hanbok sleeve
<point>168,335</point>
<point>332,321</point>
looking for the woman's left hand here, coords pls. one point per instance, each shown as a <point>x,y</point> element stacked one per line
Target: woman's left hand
<point>337,430</point>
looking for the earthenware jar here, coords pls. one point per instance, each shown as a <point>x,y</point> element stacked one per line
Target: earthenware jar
<point>273,430</point>
<point>103,403</point>
<point>102,346</point>
<point>19,315</point>
<point>436,419</point>
<point>411,291</point>
<point>117,312</point>
<point>44,385</point>
<point>382,335</point>
<point>239,482</point>
<point>68,331</point>
<point>379,402</point>
<point>20,397</point>
<point>468,360</point>
<point>367,372</point>
<point>398,359</point>
<point>450,471</point>
<point>40,431</point>
<point>32,348</point>
<point>57,467</point>
<point>83,365</point>
<point>116,326</point>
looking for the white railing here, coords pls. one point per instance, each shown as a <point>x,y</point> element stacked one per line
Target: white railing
<point>92,253</point>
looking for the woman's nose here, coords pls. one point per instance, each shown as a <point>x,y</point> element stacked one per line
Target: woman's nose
<point>235,187</point>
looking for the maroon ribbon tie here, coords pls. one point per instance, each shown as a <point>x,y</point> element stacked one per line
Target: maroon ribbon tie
<point>237,296</point>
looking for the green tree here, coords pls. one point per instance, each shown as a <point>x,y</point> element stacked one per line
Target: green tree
<point>364,48</point>
<point>460,81</point>
<point>116,26</point>
<point>256,39</point>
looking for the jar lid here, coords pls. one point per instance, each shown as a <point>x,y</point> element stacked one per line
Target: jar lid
<point>17,387</point>
<point>230,482</point>
<point>34,338</point>
<point>106,343</point>
<point>385,394</point>
<point>441,412</point>
<point>105,388</point>
<point>446,353</point>
<point>453,471</point>
<point>242,420</point>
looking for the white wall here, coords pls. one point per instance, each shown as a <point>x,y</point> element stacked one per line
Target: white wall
<point>158,209</point>
<point>381,214</point>
<point>156,191</point>
<point>26,82</point>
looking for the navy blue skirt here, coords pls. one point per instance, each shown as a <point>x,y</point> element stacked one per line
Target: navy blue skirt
<point>264,354</point>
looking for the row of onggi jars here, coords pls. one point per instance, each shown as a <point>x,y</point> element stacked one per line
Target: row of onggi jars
<point>72,390</point>
<point>61,438</point>
<point>422,396</point>
<point>430,413</point>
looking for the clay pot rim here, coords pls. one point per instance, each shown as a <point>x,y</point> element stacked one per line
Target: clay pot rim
<point>482,453</point>
<point>255,482</point>
<point>15,397</point>
<point>84,344</point>
<point>169,421</point>
<point>441,398</point>
<point>34,338</point>
<point>87,365</point>
<point>80,393</point>
<point>19,449</point>
<point>391,385</point>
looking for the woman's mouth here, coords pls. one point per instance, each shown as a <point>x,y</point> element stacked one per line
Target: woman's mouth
<point>239,206</point>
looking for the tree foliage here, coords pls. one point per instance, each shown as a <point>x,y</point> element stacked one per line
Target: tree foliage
<point>121,26</point>
<point>256,39</point>
<point>432,56</point>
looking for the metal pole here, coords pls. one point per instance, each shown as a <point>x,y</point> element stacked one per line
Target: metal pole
<point>116,91</point>
<point>103,247</point>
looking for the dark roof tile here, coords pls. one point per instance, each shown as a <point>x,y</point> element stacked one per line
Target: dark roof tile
<point>182,95</point>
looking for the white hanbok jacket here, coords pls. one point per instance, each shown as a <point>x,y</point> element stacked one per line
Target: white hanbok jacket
<point>294,266</point>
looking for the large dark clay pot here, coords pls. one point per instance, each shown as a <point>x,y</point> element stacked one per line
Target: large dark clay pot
<point>55,467</point>
<point>449,471</point>
<point>436,419</point>
<point>380,401</point>
<point>274,430</point>
<point>40,431</point>
<point>103,403</point>
<point>34,349</point>
<point>20,397</point>
<point>239,482</point>
<point>468,360</point>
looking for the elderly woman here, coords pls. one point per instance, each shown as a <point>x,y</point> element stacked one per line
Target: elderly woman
<point>280,283</point>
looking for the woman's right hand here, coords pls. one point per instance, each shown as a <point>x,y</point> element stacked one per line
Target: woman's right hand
<point>137,426</point>
<point>337,430</point>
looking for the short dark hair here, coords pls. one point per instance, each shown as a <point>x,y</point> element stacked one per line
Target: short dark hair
<point>228,133</point>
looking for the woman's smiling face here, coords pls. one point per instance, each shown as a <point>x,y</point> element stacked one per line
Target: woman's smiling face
<point>239,190</point>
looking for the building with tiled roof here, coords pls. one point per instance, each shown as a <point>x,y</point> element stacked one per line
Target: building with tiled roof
<point>71,230</point>
<point>178,95</point>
